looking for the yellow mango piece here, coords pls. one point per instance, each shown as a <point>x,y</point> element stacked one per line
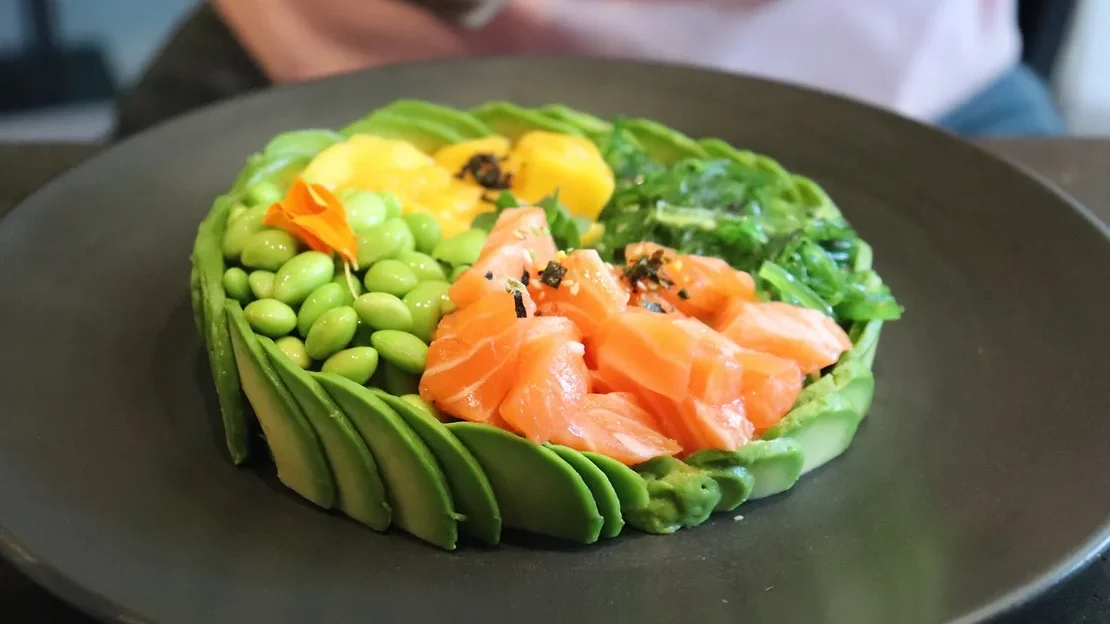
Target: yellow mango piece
<point>356,161</point>
<point>453,157</point>
<point>592,234</point>
<point>545,161</point>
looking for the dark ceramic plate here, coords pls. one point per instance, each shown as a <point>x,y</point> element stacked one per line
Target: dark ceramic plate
<point>979,479</point>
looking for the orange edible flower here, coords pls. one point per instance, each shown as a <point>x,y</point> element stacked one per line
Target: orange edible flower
<point>313,214</point>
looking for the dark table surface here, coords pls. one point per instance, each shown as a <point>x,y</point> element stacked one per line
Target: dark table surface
<point>1081,167</point>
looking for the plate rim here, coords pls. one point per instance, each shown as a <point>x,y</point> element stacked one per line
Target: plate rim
<point>65,588</point>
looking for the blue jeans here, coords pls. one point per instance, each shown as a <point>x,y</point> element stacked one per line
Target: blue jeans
<point>1017,104</point>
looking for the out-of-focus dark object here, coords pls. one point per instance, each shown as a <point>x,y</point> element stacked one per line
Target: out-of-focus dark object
<point>1044,26</point>
<point>47,73</point>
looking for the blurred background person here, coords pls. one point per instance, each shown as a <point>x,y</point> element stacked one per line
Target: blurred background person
<point>955,63</point>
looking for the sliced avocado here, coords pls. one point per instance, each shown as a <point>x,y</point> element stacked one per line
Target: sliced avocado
<point>775,465</point>
<point>585,122</point>
<point>196,298</point>
<point>470,489</point>
<point>293,443</point>
<point>210,271</point>
<point>816,390</point>
<point>605,496</point>
<point>536,490</point>
<point>417,487</point>
<point>867,343</point>
<point>427,136</point>
<point>464,124</point>
<point>630,487</point>
<point>824,427</point>
<point>680,496</point>
<point>512,121</point>
<point>718,149</point>
<point>735,481</point>
<point>359,490</point>
<point>856,385</point>
<point>278,172</point>
<point>662,143</point>
<point>300,143</point>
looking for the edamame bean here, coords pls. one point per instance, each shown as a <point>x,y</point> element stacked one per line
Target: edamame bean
<point>324,298</point>
<point>392,204</point>
<point>293,348</point>
<point>332,332</point>
<point>462,248</point>
<point>268,249</point>
<point>263,194</point>
<point>425,304</point>
<point>270,317</point>
<point>249,222</point>
<point>383,311</point>
<point>236,211</point>
<point>457,271</point>
<point>384,241</point>
<point>423,266</point>
<point>237,285</point>
<point>425,230</point>
<point>262,284</point>
<point>356,364</point>
<point>302,274</point>
<point>403,350</point>
<point>390,276</point>
<point>364,210</point>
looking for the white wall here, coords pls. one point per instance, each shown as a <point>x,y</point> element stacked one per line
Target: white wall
<point>1083,81</point>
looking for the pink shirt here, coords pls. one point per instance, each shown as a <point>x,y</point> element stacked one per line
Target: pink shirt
<point>917,57</point>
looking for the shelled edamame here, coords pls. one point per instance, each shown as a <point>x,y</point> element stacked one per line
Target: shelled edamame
<point>372,326</point>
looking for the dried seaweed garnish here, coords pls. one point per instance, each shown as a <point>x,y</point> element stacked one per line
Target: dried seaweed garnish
<point>525,277</point>
<point>485,170</point>
<point>683,294</point>
<point>518,301</point>
<point>489,275</point>
<point>553,274</point>
<point>645,274</point>
<point>651,306</point>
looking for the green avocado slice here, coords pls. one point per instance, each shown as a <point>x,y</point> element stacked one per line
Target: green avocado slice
<point>662,143</point>
<point>465,124</point>
<point>824,427</point>
<point>605,496</point>
<point>535,489</point>
<point>585,122</point>
<point>427,136</point>
<point>718,149</point>
<point>681,496</point>
<point>630,487</point>
<point>470,489</point>
<point>512,121</point>
<point>416,486</point>
<point>856,384</point>
<point>774,465</point>
<point>196,298</point>
<point>300,143</point>
<point>735,481</point>
<point>277,173</point>
<point>300,461</point>
<point>209,266</point>
<point>359,490</point>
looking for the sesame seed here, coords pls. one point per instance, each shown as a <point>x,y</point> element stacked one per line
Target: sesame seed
<point>561,255</point>
<point>574,287</point>
<point>519,235</point>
